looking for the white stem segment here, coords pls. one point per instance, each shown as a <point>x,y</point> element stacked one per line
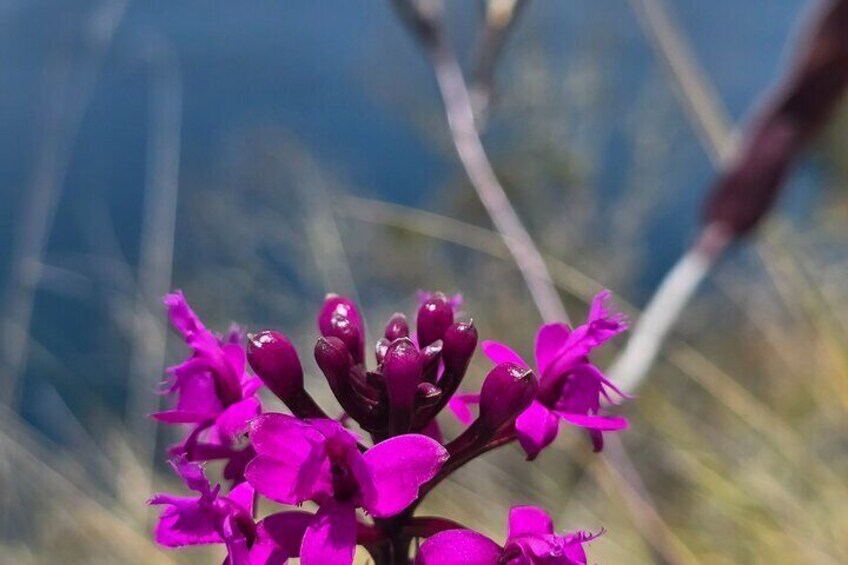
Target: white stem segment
<point>473,156</point>
<point>665,307</point>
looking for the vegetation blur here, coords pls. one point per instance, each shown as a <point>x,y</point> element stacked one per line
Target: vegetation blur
<point>129,171</point>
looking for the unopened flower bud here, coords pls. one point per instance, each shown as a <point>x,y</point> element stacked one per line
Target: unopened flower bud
<point>427,394</point>
<point>434,317</point>
<point>335,361</point>
<point>339,317</point>
<point>275,361</point>
<point>507,391</point>
<point>458,345</point>
<point>397,327</point>
<point>430,357</point>
<point>402,370</point>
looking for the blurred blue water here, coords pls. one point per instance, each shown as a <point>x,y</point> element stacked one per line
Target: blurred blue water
<point>310,67</point>
<point>325,71</point>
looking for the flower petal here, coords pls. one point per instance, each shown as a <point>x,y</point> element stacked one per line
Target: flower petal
<point>196,387</point>
<point>330,537</point>
<point>192,475</point>
<point>605,324</point>
<point>281,481</point>
<point>537,427</point>
<point>500,353</point>
<point>237,551</point>
<point>234,420</point>
<point>458,404</point>
<point>398,467</point>
<point>283,437</point>
<point>184,522</point>
<point>290,455</point>
<point>574,546</point>
<point>243,496</point>
<point>458,547</point>
<point>182,417</point>
<point>603,423</point>
<point>529,520</point>
<point>278,537</point>
<point>549,339</point>
<point>182,316</point>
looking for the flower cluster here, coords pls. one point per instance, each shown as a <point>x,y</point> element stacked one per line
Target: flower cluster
<point>570,387</point>
<point>216,396</point>
<point>365,488</point>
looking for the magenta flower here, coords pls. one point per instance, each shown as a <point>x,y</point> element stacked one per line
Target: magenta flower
<point>208,517</point>
<point>214,392</point>
<point>319,460</point>
<point>279,537</point>
<point>310,457</point>
<point>570,387</point>
<point>531,541</point>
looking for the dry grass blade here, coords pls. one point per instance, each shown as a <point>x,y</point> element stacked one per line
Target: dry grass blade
<point>66,107</point>
<point>149,337</point>
<point>25,458</point>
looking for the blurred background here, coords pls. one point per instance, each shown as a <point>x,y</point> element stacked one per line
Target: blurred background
<point>258,155</point>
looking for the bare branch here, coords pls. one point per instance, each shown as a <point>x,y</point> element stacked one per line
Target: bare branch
<point>754,169</point>
<point>425,26</point>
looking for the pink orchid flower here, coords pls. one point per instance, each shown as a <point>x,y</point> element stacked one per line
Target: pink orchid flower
<point>570,387</point>
<point>208,517</point>
<point>531,541</point>
<point>319,460</point>
<point>214,391</point>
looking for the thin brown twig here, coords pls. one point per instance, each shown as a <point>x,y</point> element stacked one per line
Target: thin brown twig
<point>754,170</point>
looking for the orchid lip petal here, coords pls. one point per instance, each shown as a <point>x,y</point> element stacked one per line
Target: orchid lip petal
<point>458,547</point>
<point>398,467</point>
<point>500,353</point>
<point>330,537</point>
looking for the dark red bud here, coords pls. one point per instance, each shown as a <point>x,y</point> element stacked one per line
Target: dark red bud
<point>434,317</point>
<point>336,363</point>
<point>507,391</point>
<point>430,356</point>
<point>340,318</point>
<point>458,345</point>
<point>402,370</point>
<point>397,327</point>
<point>275,361</point>
<point>427,394</point>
